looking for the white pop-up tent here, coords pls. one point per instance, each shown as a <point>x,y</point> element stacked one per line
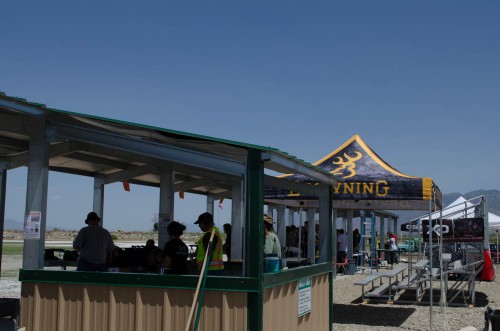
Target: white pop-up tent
<point>493,222</point>
<point>460,208</point>
<point>457,208</point>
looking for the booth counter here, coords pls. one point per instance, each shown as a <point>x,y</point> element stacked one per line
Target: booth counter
<point>71,300</point>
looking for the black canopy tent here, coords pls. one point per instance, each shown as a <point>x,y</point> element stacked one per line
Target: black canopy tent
<point>369,183</point>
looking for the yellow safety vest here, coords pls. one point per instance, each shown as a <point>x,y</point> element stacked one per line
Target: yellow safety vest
<point>216,262</point>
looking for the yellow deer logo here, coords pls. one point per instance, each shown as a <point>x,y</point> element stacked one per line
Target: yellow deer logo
<point>348,165</point>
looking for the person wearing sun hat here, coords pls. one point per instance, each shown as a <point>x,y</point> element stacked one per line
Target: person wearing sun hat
<point>272,246</point>
<point>94,244</point>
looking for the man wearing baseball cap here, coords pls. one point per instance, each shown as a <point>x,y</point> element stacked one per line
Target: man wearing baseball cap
<point>93,243</point>
<point>206,223</point>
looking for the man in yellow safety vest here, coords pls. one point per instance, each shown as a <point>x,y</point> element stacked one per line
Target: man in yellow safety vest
<point>206,223</point>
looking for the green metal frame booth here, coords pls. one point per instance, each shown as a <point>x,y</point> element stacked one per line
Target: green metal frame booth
<point>46,139</point>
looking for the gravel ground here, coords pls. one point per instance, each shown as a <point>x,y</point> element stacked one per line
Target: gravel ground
<point>351,313</point>
<point>10,287</point>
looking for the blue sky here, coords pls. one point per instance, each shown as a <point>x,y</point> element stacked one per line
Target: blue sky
<point>418,81</point>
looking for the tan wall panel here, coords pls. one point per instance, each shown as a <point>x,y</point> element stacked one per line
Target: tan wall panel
<point>224,311</point>
<point>282,301</point>
<point>149,309</point>
<point>27,305</point>
<point>70,306</point>
<point>45,312</point>
<point>177,304</point>
<point>95,314</point>
<point>211,312</point>
<point>123,301</point>
<point>62,307</point>
<point>234,308</point>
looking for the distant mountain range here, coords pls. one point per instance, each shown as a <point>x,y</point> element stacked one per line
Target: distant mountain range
<point>12,225</point>
<point>492,203</point>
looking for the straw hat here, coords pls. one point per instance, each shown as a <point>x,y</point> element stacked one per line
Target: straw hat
<point>268,219</point>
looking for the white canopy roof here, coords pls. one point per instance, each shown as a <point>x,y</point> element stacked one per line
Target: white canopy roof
<point>493,222</point>
<point>456,209</point>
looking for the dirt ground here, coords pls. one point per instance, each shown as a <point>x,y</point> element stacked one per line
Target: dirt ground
<point>10,287</point>
<point>352,313</point>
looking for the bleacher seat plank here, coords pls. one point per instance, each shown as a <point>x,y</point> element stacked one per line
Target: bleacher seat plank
<point>379,291</point>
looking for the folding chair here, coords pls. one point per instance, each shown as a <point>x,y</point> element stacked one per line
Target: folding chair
<point>342,265</point>
<point>374,263</point>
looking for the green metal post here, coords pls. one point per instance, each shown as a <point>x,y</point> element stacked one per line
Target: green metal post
<point>254,236</point>
<point>331,228</point>
<point>3,186</point>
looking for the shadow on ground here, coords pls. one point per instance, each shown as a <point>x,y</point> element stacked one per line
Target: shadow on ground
<point>459,298</point>
<point>481,299</point>
<point>409,298</point>
<point>371,315</point>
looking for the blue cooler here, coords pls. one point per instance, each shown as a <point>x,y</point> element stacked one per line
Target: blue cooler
<point>272,264</point>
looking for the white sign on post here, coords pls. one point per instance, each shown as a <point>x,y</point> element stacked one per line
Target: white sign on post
<point>32,225</point>
<point>304,296</point>
<point>163,222</point>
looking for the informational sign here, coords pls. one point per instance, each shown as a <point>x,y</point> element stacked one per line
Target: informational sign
<point>163,222</point>
<point>469,229</point>
<point>458,230</point>
<point>32,225</point>
<point>412,227</point>
<point>304,296</point>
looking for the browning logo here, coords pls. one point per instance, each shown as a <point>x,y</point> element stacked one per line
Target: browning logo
<point>346,168</point>
<point>380,188</point>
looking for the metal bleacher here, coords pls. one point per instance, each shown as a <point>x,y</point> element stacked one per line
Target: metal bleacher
<point>453,265</point>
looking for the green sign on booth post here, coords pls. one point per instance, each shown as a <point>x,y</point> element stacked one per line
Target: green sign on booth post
<point>304,296</point>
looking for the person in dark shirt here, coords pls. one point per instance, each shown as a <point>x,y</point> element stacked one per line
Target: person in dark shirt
<point>175,252</point>
<point>152,260</point>
<point>227,245</point>
<point>150,245</point>
<point>151,257</point>
<point>356,240</point>
<point>94,244</point>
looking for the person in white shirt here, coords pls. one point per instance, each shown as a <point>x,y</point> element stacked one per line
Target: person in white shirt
<point>393,247</point>
<point>341,245</point>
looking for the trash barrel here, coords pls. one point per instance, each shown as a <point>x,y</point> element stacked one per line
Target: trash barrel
<point>351,267</point>
<point>9,307</point>
<point>492,317</point>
